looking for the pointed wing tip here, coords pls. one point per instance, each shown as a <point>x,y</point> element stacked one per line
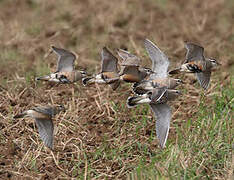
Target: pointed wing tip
<point>192,44</point>
<point>146,41</point>
<point>105,50</point>
<point>205,86</point>
<point>150,44</point>
<point>163,145</point>
<point>50,146</point>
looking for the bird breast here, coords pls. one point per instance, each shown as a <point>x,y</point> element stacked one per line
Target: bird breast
<point>109,75</point>
<point>130,78</point>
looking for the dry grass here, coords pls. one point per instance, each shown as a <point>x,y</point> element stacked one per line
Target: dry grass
<point>98,137</point>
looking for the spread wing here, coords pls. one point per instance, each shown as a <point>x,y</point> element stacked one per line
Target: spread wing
<point>194,52</point>
<point>46,131</point>
<point>128,58</point>
<point>65,59</point>
<point>109,61</point>
<point>204,79</point>
<point>159,60</point>
<point>133,70</point>
<point>162,113</point>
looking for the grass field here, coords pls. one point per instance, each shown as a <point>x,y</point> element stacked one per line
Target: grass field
<point>98,137</point>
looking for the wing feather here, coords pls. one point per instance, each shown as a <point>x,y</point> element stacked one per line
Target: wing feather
<point>194,52</point>
<point>46,131</point>
<point>162,113</point>
<point>128,58</point>
<point>204,79</point>
<point>65,61</point>
<point>159,60</point>
<point>109,61</point>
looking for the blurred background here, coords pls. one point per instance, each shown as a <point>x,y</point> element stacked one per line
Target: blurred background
<point>98,137</point>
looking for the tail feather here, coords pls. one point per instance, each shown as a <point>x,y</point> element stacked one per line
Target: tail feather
<point>175,71</point>
<point>131,102</point>
<point>20,115</point>
<point>87,80</point>
<point>43,78</point>
<point>135,100</point>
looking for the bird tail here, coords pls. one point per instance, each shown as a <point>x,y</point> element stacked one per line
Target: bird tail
<point>43,78</point>
<point>88,80</point>
<point>132,101</point>
<point>21,115</point>
<point>175,71</point>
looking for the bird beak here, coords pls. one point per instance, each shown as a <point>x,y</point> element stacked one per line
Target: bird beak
<point>219,64</point>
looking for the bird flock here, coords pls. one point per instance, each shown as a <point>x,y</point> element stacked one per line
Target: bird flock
<point>151,86</point>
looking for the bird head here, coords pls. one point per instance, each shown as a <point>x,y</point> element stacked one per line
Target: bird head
<point>214,62</point>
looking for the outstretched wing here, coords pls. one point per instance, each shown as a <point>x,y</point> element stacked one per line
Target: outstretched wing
<point>109,61</point>
<point>194,52</point>
<point>159,60</point>
<point>65,59</point>
<point>162,113</point>
<point>128,58</point>
<point>204,79</point>
<point>46,131</point>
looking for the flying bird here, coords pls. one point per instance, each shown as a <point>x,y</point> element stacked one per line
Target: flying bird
<point>43,117</point>
<point>65,72</point>
<point>131,71</point>
<point>195,62</point>
<point>109,71</point>
<point>159,75</point>
<point>157,99</point>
